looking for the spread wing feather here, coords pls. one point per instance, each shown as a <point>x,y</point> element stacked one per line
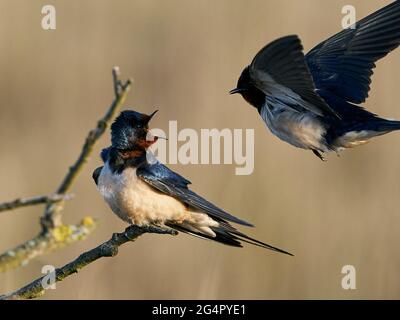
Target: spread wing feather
<point>280,71</point>
<point>344,63</point>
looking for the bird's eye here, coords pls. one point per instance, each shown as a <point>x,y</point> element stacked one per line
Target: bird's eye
<point>139,126</point>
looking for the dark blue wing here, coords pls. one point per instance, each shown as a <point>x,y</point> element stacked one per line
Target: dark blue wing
<point>343,63</point>
<point>166,181</point>
<point>160,172</point>
<point>280,72</point>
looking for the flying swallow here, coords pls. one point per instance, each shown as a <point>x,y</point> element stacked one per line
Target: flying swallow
<point>312,101</point>
<point>144,192</point>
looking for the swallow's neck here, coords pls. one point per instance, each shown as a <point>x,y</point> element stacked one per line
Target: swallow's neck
<point>120,159</point>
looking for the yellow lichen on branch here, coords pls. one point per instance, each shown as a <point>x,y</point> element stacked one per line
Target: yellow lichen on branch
<point>58,238</point>
<point>109,248</point>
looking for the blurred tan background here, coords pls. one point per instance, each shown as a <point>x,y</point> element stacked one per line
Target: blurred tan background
<point>184,56</point>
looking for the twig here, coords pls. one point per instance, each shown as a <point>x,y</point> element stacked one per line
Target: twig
<point>54,234</point>
<point>51,217</point>
<point>107,249</point>
<point>25,202</point>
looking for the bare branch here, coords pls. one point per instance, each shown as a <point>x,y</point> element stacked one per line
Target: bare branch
<point>107,249</point>
<point>25,202</point>
<point>54,234</point>
<point>117,84</point>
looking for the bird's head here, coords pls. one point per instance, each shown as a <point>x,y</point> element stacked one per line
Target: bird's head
<point>244,82</point>
<point>248,90</point>
<point>130,131</point>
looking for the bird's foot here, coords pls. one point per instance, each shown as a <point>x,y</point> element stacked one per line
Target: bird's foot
<point>132,232</point>
<point>319,155</point>
<point>140,229</point>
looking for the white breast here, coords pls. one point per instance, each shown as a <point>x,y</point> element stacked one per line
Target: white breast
<point>301,129</point>
<point>134,201</point>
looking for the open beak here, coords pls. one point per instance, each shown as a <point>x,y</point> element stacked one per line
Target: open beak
<point>150,139</point>
<point>236,90</point>
<point>151,116</point>
<point>162,138</point>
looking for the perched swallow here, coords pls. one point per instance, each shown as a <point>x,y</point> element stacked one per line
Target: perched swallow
<point>312,101</point>
<point>144,192</point>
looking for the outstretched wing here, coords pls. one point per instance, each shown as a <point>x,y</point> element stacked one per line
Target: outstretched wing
<point>166,181</point>
<point>343,63</point>
<point>280,71</point>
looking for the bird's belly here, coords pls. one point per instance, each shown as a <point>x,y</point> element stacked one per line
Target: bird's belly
<point>299,129</point>
<point>135,201</point>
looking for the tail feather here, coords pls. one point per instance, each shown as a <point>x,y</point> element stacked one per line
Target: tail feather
<point>228,235</point>
<point>218,238</point>
<point>375,125</point>
<point>242,237</point>
<point>385,125</point>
